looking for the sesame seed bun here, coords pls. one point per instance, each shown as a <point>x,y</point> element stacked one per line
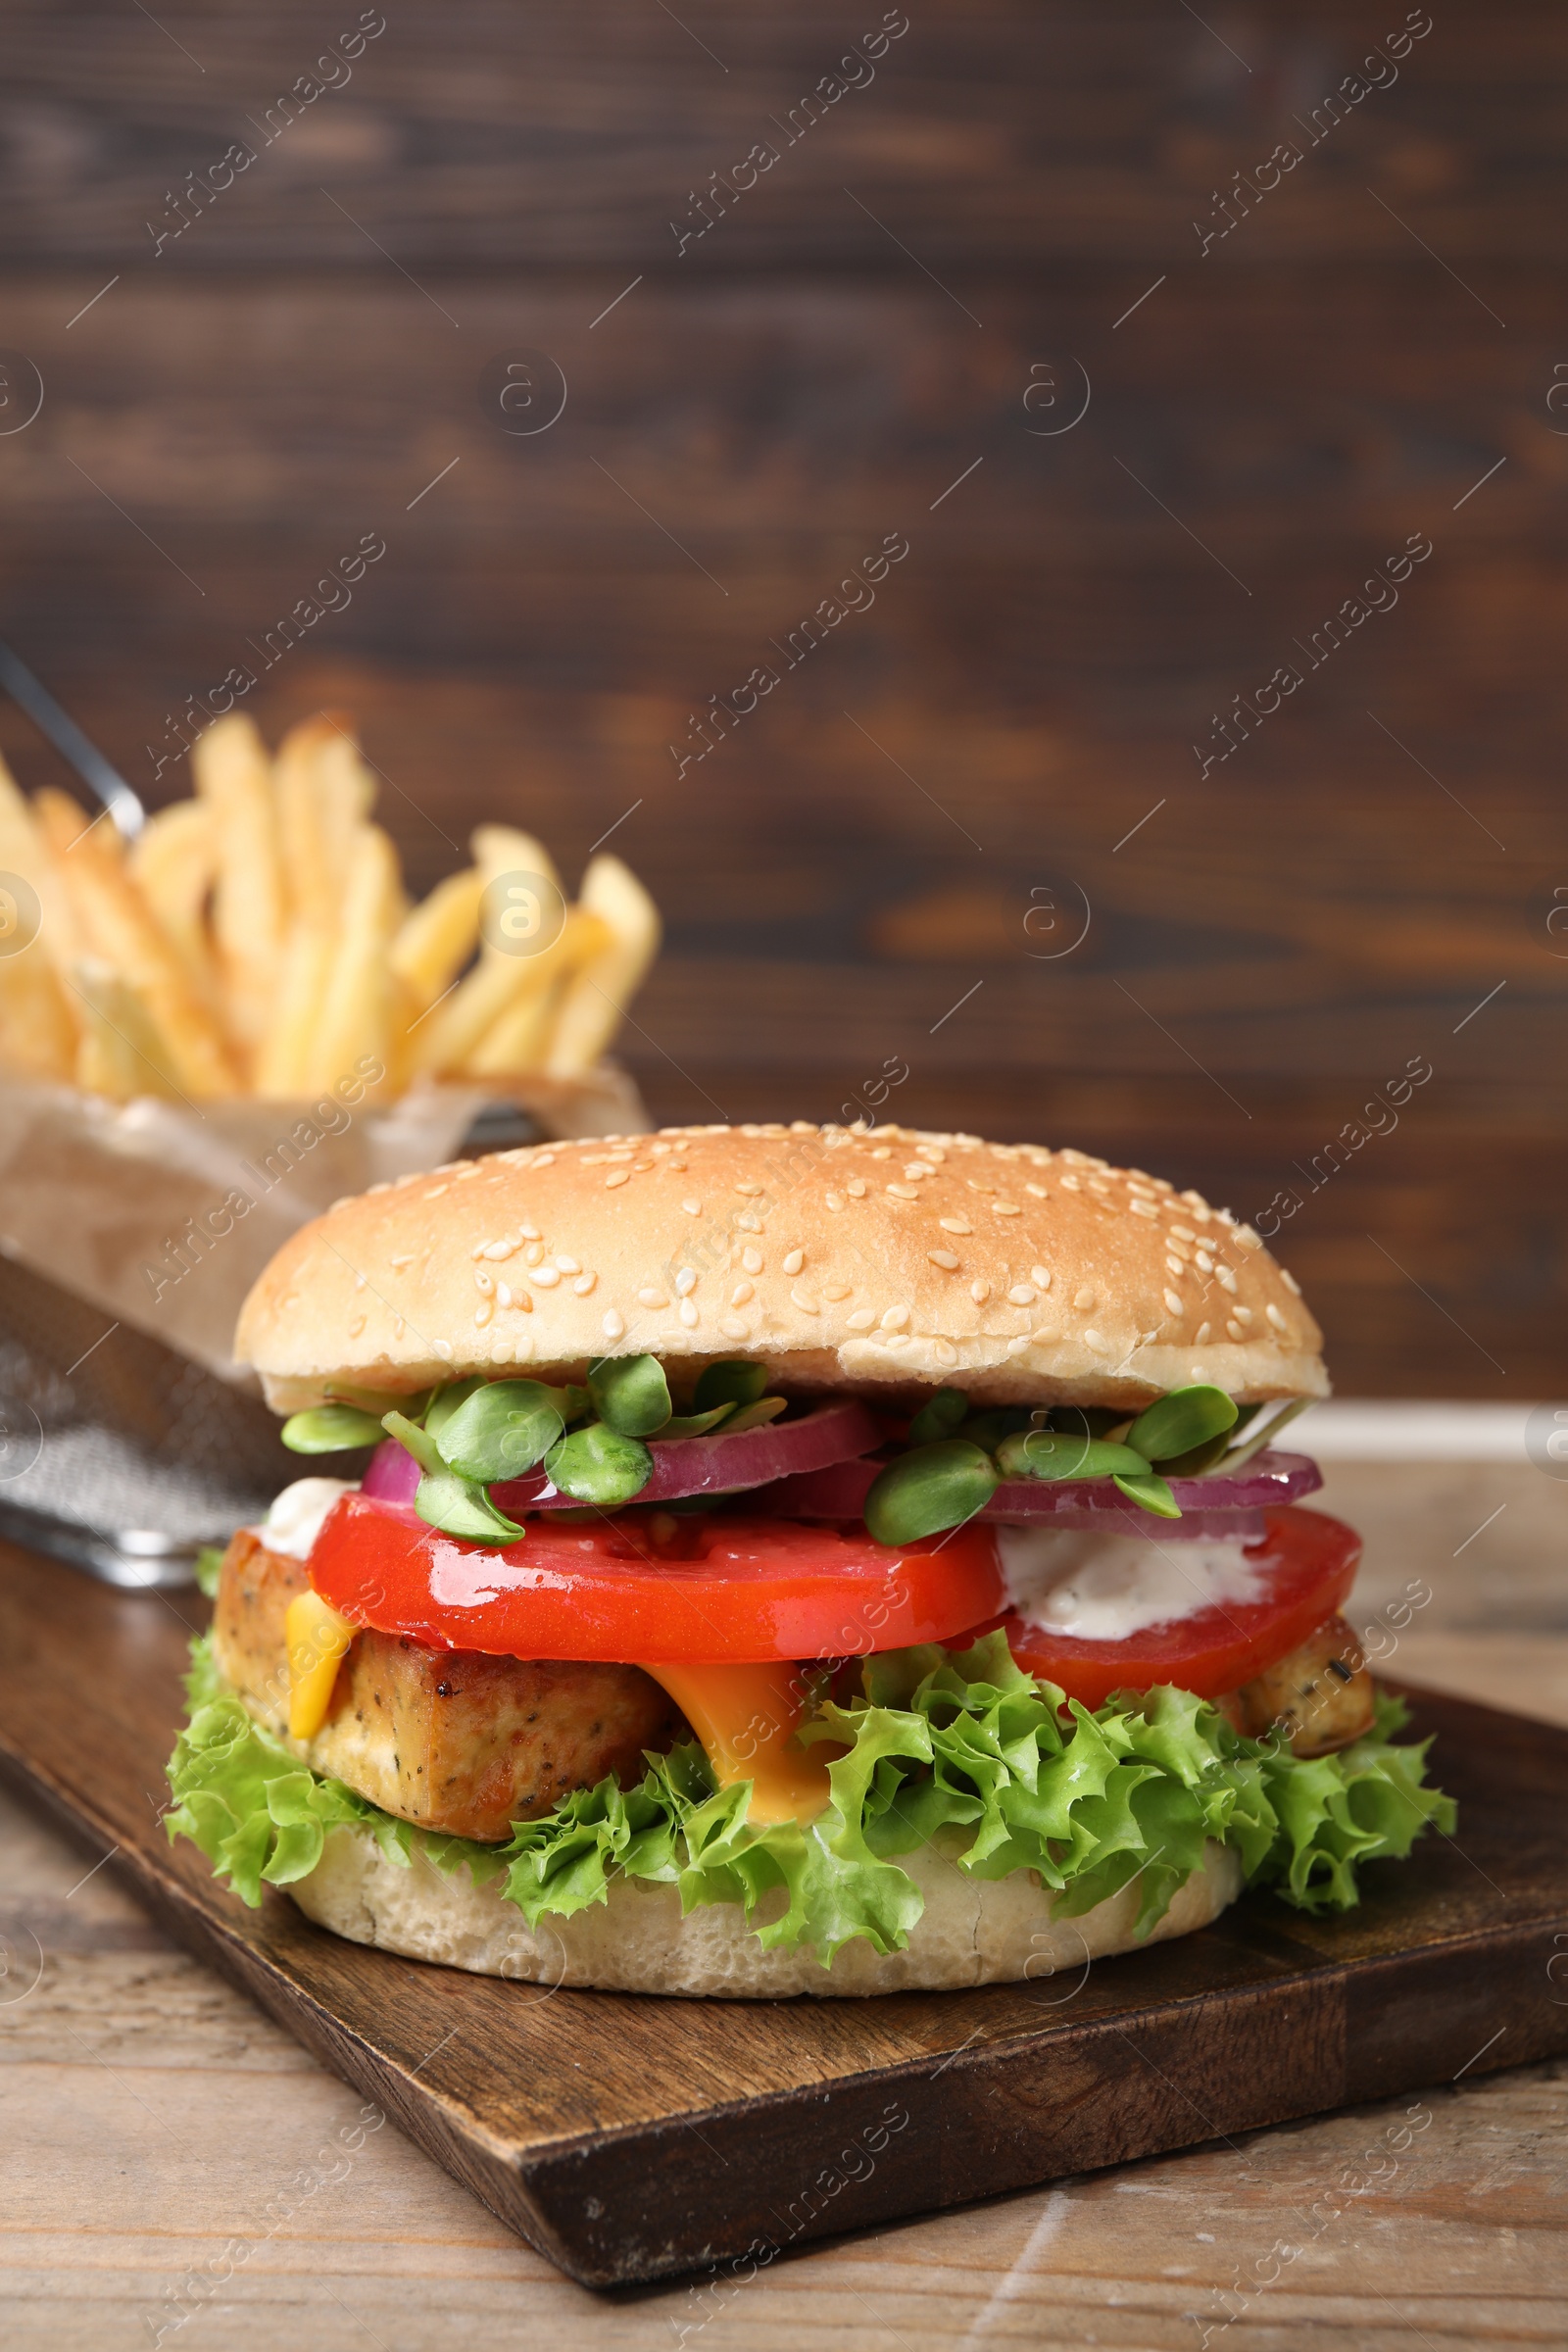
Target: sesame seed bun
<point>839,1257</point>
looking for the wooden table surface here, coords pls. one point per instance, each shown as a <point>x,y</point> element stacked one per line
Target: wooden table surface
<point>155,2125</point>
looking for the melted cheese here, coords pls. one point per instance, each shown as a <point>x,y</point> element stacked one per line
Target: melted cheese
<point>745,1717</point>
<point>318,1639</point>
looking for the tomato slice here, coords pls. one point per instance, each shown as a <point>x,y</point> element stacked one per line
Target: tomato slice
<point>650,1588</point>
<point>1312,1561</point>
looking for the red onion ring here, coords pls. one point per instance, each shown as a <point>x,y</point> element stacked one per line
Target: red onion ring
<point>711,1465</point>
<point>1209,1505</point>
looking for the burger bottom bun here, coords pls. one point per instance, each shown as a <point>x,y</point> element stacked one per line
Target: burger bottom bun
<point>972,1930</point>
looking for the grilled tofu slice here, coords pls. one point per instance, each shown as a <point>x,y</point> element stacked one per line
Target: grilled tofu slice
<point>452,1739</point>
<point>1320,1695</point>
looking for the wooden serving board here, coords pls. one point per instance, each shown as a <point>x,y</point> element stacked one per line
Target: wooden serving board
<point>629,2138</point>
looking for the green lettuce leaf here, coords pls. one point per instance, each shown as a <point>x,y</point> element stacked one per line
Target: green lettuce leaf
<point>958,1750</point>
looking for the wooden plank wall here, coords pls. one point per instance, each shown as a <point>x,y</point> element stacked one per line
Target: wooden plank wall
<point>889,334</point>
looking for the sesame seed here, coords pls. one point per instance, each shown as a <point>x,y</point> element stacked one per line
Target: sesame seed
<point>533,1254</point>
<point>915,1171</point>
<point>943,1258</point>
<point>1005,1208</point>
<point>944,1351</point>
<point>1096,1339</point>
<point>795,1261</point>
<point>685,1281</point>
<point>1243,1314</point>
<point>835,1200</point>
<point>861,1320</point>
<point>1248,1238</point>
<point>479,1249</point>
<point>502,1294</point>
<point>732,1327</point>
<point>1016,1347</point>
<point>688,1313</point>
<point>955,1225</point>
<point>856,1188</point>
<point>1041,1276</point>
<point>1275,1317</point>
<point>1140,1208</point>
<point>1024,1293</point>
<point>882,1151</point>
<point>499,1249</point>
<point>1225,1278</point>
<point>979,1184</point>
<point>1202,1334</point>
<point>617,1176</point>
<point>530,1233</point>
<point>500,1352</point>
<point>1289,1280</point>
<point>483,1312</point>
<point>567,1265</point>
<point>1070,1184</point>
<point>546,1159</point>
<point>748,1223</point>
<point>902,1192</point>
<point>1173,1302</point>
<point>584,1283</point>
<point>896,1318</point>
<point>752,1259</point>
<point>444,1350</point>
<point>750,1190</point>
<point>1235,1331</point>
<point>483,1282</point>
<point>979,1292</point>
<point>1203,1262</point>
<point>1173,1265</point>
<point>895,1339</point>
<point>836,1291</point>
<point>692,1209</point>
<point>1084,1299</point>
<point>651,1297</point>
<point>1182,1233</point>
<point>803,1300</point>
<point>545,1277</point>
<point>407,1259</point>
<point>613,1326</point>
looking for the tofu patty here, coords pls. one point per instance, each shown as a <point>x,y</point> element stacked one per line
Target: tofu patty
<point>452,1740</point>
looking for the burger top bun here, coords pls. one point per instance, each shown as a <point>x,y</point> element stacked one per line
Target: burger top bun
<point>839,1257</point>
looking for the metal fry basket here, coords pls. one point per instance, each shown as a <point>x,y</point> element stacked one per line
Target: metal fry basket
<point>117,1452</point>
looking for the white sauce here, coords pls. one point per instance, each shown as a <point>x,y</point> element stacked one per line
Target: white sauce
<point>1107,1587</point>
<point>294,1521</point>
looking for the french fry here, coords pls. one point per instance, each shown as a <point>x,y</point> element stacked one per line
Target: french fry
<point>174,863</point>
<point>514,1043</point>
<point>325,793</point>
<point>435,940</point>
<point>495,987</point>
<point>233,779</point>
<point>122,1052</point>
<point>37,1024</point>
<point>23,851</point>
<point>356,1017</point>
<point>300,990</point>
<point>595,999</point>
<point>120,927</point>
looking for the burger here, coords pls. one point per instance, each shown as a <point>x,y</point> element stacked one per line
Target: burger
<point>793,1560</point>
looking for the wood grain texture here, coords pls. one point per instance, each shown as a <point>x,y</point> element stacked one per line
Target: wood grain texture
<point>1017,712</point>
<point>631,2139</point>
